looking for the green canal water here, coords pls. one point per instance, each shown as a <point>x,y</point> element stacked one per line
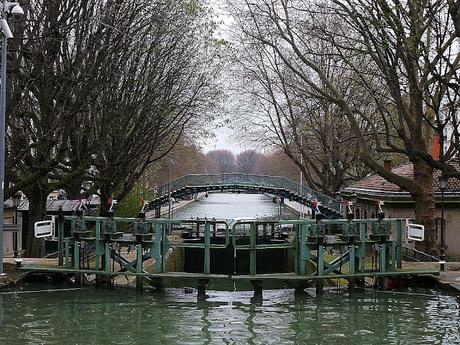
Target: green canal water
<point>91,316</point>
<point>121,317</point>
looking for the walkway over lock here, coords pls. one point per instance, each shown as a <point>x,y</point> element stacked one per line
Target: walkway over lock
<point>234,182</point>
<point>240,250</point>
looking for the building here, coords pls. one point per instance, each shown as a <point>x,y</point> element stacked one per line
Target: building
<point>19,214</point>
<point>12,238</point>
<point>399,204</point>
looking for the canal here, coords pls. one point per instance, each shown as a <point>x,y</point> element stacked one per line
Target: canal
<point>120,316</point>
<point>230,206</point>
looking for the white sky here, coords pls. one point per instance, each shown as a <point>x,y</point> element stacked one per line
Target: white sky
<point>224,137</point>
<point>223,140</point>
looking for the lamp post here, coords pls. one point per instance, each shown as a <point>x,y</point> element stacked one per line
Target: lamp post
<point>442,182</point>
<point>171,163</point>
<point>301,176</point>
<point>9,8</point>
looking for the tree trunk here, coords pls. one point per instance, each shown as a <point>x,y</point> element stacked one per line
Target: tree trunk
<point>425,207</point>
<point>37,212</point>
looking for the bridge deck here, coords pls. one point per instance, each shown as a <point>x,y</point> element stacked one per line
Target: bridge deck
<point>278,185</point>
<point>263,277</point>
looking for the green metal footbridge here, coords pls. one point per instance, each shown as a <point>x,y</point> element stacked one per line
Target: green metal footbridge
<point>235,182</point>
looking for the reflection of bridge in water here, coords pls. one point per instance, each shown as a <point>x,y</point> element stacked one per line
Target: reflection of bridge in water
<point>275,185</point>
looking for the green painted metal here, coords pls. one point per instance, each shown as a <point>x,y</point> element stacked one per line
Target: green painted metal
<point>67,252</point>
<point>399,229</point>
<point>320,263</point>
<point>352,265</point>
<point>164,246</point>
<point>383,257</point>
<point>307,243</point>
<point>253,250</point>
<point>207,249</point>
<point>107,257</point>
<point>157,248</point>
<point>60,243</point>
<point>76,255</point>
<point>98,245</point>
<point>275,276</point>
<point>302,250</point>
<point>241,181</point>
<point>393,255</point>
<point>362,248</point>
<point>139,258</point>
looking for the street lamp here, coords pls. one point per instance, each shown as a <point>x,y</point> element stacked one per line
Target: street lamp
<point>171,163</point>
<point>9,8</point>
<point>442,182</point>
<point>301,176</point>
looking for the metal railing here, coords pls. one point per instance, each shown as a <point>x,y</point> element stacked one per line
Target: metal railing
<point>362,247</point>
<point>412,254</point>
<point>248,181</point>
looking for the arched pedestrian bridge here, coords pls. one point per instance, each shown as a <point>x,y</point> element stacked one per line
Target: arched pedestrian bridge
<point>234,182</point>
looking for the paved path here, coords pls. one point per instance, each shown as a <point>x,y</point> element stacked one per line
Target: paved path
<point>175,207</point>
<point>297,208</point>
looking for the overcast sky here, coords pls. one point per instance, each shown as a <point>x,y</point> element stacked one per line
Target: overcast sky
<point>224,136</point>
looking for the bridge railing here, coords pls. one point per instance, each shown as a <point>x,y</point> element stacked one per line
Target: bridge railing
<point>350,249</point>
<point>314,241</point>
<point>264,181</point>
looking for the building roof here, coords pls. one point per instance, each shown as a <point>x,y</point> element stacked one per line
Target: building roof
<point>52,205</point>
<point>375,183</point>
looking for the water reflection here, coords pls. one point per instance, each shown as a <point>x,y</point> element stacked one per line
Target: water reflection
<point>229,206</point>
<point>95,317</point>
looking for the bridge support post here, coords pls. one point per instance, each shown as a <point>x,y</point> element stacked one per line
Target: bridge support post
<point>76,262</point>
<point>352,267</point>
<point>139,278</point>
<point>60,238</point>
<point>157,248</point>
<point>252,251</point>
<point>300,288</point>
<point>201,287</point>
<point>207,249</point>
<point>158,284</point>
<point>302,249</point>
<point>104,279</point>
<point>67,252</point>
<point>320,266</point>
<point>399,227</point>
<point>362,248</point>
<point>258,289</point>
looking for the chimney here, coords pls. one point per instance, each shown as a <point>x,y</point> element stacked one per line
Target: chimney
<point>387,164</point>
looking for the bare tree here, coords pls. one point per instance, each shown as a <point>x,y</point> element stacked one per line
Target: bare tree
<point>247,161</point>
<point>405,62</point>
<point>89,101</point>
<point>277,163</point>
<point>310,130</point>
<point>224,160</point>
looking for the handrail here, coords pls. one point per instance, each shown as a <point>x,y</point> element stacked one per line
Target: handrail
<point>418,254</point>
<point>244,180</point>
<point>307,241</point>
